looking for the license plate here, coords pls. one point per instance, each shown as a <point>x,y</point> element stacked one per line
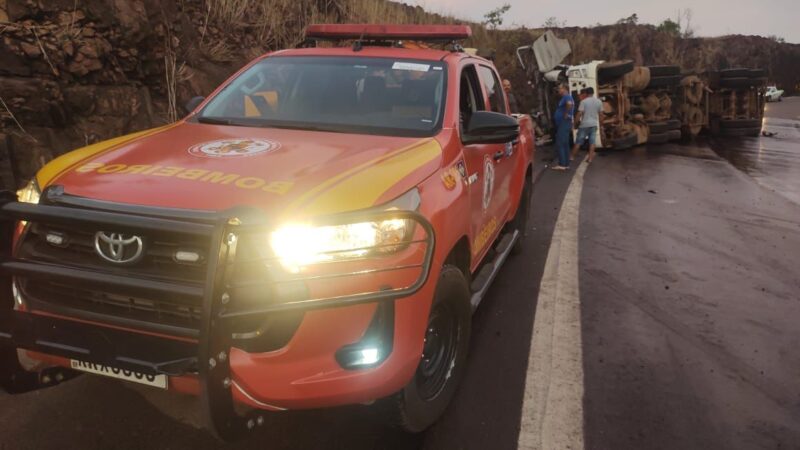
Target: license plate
<point>159,381</point>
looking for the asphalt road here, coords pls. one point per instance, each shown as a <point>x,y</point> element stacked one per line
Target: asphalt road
<point>689,310</point>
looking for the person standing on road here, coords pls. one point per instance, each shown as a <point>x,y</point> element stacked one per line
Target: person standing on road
<point>512,100</point>
<point>588,118</point>
<point>563,122</point>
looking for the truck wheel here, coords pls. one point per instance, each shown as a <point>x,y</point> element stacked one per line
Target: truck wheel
<point>674,135</point>
<point>658,127</point>
<point>664,71</point>
<point>520,220</point>
<point>660,138</point>
<point>667,81</point>
<point>424,399</point>
<point>625,142</point>
<point>735,73</point>
<point>739,82</point>
<point>740,123</point>
<point>610,71</point>
<point>673,124</point>
<point>757,73</point>
<point>739,132</point>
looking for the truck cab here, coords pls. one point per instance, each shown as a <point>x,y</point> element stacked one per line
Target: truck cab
<point>317,232</point>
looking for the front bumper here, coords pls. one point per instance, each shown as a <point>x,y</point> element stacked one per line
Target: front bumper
<point>304,373</point>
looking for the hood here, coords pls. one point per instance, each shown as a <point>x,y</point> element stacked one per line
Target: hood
<point>215,167</point>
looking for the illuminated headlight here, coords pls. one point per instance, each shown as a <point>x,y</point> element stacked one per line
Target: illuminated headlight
<point>30,193</point>
<point>298,245</point>
<point>302,245</point>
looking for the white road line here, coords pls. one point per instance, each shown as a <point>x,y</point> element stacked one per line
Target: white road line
<point>552,410</point>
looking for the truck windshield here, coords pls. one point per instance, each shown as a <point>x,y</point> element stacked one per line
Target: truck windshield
<point>341,94</point>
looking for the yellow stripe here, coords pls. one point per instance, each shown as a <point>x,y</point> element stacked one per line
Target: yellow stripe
<point>364,189</point>
<point>67,161</point>
<point>300,201</point>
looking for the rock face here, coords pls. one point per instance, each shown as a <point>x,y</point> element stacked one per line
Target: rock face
<point>73,73</point>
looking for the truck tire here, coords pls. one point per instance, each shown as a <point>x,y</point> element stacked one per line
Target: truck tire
<point>637,79</point>
<point>735,73</point>
<point>740,123</point>
<point>659,138</point>
<point>673,124</point>
<point>423,400</point>
<point>664,71</point>
<point>740,132</point>
<point>736,83</point>
<point>610,71</point>
<point>757,73</point>
<point>625,142</point>
<point>666,81</point>
<point>658,127</point>
<point>520,220</point>
<point>674,135</point>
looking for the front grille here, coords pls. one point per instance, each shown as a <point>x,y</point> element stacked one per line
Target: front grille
<point>158,261</point>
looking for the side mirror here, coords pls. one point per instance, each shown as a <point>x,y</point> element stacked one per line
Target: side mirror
<point>486,127</point>
<point>193,103</point>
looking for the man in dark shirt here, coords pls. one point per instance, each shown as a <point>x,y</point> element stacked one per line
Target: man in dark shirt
<point>512,101</point>
<point>563,122</point>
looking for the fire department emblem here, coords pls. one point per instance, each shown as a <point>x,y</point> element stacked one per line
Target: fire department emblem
<point>488,182</point>
<point>226,148</point>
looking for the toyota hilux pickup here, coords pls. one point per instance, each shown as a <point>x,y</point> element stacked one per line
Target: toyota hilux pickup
<point>317,232</point>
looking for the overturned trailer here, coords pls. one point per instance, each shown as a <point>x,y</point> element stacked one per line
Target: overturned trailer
<point>648,104</point>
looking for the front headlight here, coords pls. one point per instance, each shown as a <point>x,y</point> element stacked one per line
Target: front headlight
<point>299,245</point>
<point>30,193</point>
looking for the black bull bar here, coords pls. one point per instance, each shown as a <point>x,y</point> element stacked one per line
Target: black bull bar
<point>204,355</point>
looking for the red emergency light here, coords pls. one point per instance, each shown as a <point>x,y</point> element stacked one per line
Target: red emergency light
<point>370,32</point>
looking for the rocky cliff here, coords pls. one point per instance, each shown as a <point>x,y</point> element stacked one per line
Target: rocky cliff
<point>73,72</point>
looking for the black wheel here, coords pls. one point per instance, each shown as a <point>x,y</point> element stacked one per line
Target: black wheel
<point>757,73</point>
<point>664,71</point>
<point>674,124</point>
<point>739,132</point>
<point>625,142</point>
<point>740,123</point>
<point>674,135</point>
<point>668,81</point>
<point>660,138</point>
<point>610,71</point>
<point>424,399</point>
<point>740,82</point>
<point>520,220</point>
<point>657,127</point>
<point>734,73</point>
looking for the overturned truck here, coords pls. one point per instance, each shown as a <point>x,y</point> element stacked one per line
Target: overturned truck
<point>648,104</point>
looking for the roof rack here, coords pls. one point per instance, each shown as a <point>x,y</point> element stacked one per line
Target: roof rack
<point>371,32</point>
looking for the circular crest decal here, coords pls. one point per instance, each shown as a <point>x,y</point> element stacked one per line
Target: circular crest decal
<point>231,148</point>
<point>488,181</point>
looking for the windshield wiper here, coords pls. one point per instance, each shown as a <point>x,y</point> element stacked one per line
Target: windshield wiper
<point>214,120</point>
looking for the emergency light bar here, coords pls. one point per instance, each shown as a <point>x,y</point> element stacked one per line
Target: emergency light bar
<point>370,32</point>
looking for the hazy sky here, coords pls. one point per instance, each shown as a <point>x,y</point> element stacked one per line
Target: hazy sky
<point>710,17</point>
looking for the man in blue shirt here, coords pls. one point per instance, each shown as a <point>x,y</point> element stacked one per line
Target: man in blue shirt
<point>563,121</point>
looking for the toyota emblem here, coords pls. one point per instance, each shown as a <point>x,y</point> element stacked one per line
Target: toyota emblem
<point>118,248</point>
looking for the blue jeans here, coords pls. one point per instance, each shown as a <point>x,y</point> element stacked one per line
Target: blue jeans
<point>562,142</point>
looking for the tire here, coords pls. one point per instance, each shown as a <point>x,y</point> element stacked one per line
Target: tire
<point>520,220</point>
<point>659,138</point>
<point>674,135</point>
<point>625,142</point>
<point>740,123</point>
<point>658,127</point>
<point>610,71</point>
<point>664,71</point>
<point>740,132</point>
<point>674,124</point>
<point>667,81</point>
<point>734,73</point>
<point>757,73</point>
<point>424,399</point>
<point>740,82</point>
